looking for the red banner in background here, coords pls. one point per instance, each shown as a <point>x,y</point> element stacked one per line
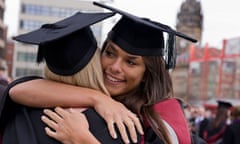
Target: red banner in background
<point>219,70</point>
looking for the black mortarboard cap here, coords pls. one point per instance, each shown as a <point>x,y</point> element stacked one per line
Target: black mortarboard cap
<point>141,36</point>
<point>67,45</point>
<point>224,104</point>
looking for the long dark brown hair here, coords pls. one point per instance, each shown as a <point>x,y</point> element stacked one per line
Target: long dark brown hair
<point>155,86</point>
<point>220,118</point>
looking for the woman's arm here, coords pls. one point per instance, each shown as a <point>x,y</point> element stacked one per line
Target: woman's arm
<point>46,93</point>
<point>68,126</point>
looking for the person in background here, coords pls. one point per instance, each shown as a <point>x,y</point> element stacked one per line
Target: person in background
<point>231,134</point>
<point>212,130</point>
<point>136,74</point>
<point>198,114</point>
<point>188,108</point>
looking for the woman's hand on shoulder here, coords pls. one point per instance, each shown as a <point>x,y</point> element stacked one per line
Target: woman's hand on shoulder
<point>68,126</point>
<point>115,113</point>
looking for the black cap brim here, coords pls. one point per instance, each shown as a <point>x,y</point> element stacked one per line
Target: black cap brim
<point>68,45</point>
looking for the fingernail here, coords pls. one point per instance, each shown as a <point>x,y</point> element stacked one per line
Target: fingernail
<point>42,117</point>
<point>135,140</point>
<point>45,110</point>
<point>115,136</point>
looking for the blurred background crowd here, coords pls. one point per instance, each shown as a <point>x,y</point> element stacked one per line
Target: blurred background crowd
<point>220,125</point>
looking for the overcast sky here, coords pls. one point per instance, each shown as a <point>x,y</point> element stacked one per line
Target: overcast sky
<point>221,17</point>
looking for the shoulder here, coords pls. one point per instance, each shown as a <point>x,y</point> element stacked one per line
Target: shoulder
<point>171,111</point>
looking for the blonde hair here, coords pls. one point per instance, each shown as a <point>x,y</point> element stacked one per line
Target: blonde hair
<point>91,76</point>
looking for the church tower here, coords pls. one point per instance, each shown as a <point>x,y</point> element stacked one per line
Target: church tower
<point>189,22</point>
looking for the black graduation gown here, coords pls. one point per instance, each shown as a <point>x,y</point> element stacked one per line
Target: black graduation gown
<point>210,134</point>
<point>231,134</point>
<point>22,125</point>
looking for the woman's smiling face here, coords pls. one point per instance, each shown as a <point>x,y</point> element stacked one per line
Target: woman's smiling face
<point>123,72</point>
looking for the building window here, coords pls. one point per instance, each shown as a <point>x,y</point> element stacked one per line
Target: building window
<point>27,71</point>
<point>30,24</point>
<point>26,57</point>
<point>47,10</point>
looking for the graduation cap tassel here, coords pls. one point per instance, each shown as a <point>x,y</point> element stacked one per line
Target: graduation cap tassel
<point>171,52</point>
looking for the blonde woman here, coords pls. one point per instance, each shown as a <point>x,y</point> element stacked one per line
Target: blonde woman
<point>70,51</point>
